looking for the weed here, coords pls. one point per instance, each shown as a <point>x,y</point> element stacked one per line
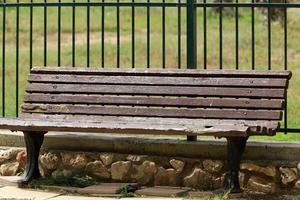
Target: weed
<point>71,181</point>
<point>127,190</point>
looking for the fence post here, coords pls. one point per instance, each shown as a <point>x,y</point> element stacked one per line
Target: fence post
<point>191,34</point>
<point>191,42</point>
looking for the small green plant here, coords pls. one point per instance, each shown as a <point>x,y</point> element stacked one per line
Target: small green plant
<point>127,190</point>
<point>71,181</point>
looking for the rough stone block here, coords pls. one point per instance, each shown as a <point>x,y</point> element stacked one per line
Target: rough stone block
<point>261,185</point>
<point>269,171</point>
<point>165,177</point>
<point>121,170</point>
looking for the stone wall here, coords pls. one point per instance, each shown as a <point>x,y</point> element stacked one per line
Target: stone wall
<point>204,174</point>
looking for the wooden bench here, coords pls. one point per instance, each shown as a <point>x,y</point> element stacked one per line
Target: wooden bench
<point>230,104</point>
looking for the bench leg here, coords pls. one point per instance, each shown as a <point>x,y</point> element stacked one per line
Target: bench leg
<point>235,149</point>
<point>191,138</point>
<point>33,141</point>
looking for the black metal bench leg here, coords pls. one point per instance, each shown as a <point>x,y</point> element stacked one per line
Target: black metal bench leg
<point>235,149</point>
<point>191,138</point>
<point>33,141</point>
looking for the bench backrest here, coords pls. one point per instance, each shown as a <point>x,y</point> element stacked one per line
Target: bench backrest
<point>218,94</point>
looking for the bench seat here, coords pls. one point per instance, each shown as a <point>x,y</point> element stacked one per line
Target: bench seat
<point>160,126</point>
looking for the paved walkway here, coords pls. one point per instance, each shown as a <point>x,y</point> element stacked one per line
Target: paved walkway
<point>17,193</point>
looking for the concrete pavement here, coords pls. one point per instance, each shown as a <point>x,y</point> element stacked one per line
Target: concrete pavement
<point>18,193</point>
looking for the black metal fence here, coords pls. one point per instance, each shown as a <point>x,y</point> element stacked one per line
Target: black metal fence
<point>148,34</point>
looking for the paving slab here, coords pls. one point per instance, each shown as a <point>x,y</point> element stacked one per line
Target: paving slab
<point>200,194</point>
<point>106,189</point>
<point>13,192</point>
<point>9,180</point>
<point>163,191</point>
<point>71,197</point>
<point>59,189</point>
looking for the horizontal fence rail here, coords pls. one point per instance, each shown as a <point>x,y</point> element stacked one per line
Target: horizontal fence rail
<point>253,34</point>
<point>150,4</point>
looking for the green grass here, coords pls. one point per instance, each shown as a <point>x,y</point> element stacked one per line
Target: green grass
<point>141,47</point>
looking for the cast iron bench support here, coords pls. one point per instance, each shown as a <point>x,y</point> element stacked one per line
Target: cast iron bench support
<point>235,150</point>
<point>232,104</point>
<point>33,141</point>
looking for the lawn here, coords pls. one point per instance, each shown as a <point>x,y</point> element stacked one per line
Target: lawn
<point>171,52</point>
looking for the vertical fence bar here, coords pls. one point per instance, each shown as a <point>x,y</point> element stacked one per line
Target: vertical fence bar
<point>3,58</point>
<point>191,17</point>
<point>17,57</point>
<point>191,32</point>
<point>285,38</point>
<point>45,34</point>
<point>253,36</point>
<point>285,66</point>
<point>179,35</point>
<point>59,34</point>
<point>118,35</point>
<point>269,37</point>
<point>237,36</point>
<point>88,35</point>
<point>148,35</point>
<point>163,35</point>
<point>132,36</point>
<point>102,34</point>
<point>221,36</point>
<point>204,37</point>
<point>73,34</point>
<point>30,35</point>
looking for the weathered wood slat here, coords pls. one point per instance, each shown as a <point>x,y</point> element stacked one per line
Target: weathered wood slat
<point>154,101</point>
<point>157,120</point>
<point>153,112</point>
<point>156,80</point>
<point>156,90</point>
<point>125,128</point>
<point>256,127</point>
<point>165,72</point>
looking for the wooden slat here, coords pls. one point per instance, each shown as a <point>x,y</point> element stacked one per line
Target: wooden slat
<point>159,80</point>
<point>153,112</point>
<point>130,127</point>
<point>154,101</point>
<point>256,127</point>
<point>165,72</point>
<point>157,90</point>
<point>157,120</point>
